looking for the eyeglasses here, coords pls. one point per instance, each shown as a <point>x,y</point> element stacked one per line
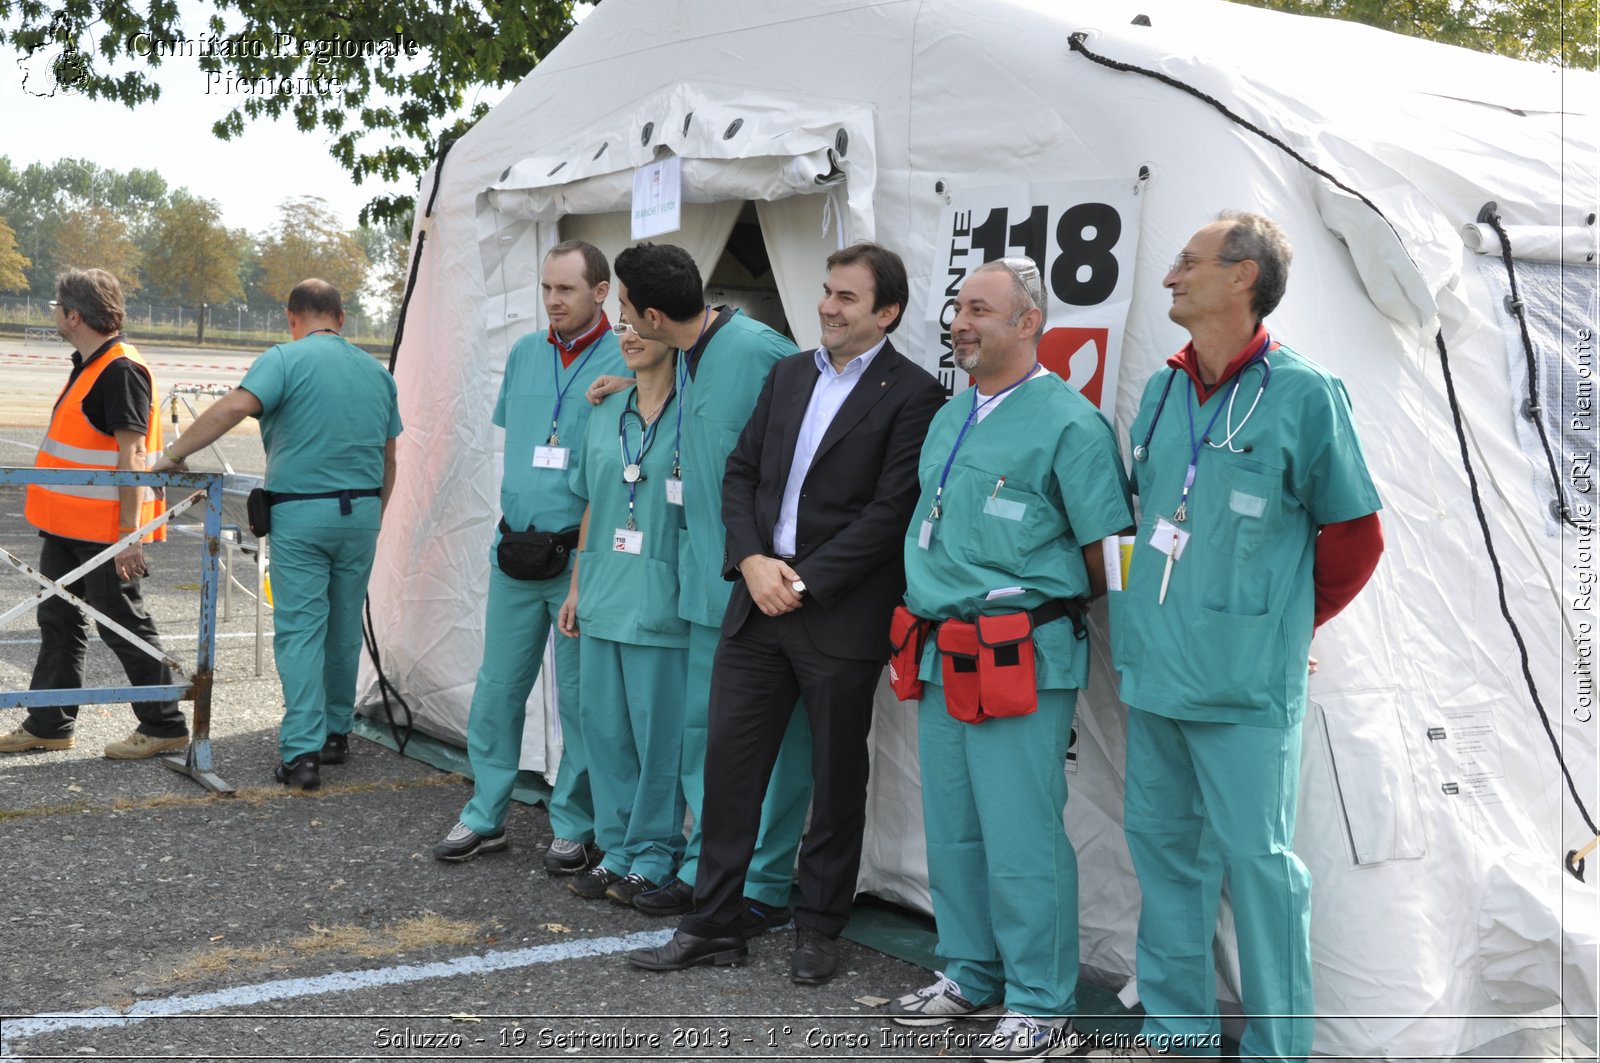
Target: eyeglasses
<point>1185,262</point>
<point>621,328</point>
<point>1021,267</point>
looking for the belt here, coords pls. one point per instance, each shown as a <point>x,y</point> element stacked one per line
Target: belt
<point>1055,609</point>
<point>569,538</point>
<point>344,497</point>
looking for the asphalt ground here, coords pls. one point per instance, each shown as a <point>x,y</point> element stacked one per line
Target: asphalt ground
<point>148,919</point>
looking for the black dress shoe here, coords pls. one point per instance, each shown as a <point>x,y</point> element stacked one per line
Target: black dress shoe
<point>336,749</point>
<point>758,918</point>
<point>302,772</point>
<point>687,950</point>
<point>816,956</point>
<point>675,898</point>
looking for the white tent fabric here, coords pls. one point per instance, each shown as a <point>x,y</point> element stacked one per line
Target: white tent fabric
<point>1433,809</point>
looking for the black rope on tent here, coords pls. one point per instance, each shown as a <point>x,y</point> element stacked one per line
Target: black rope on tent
<point>416,256</point>
<point>1491,217</point>
<point>1576,869</point>
<point>402,733</point>
<point>1077,43</point>
<point>1500,580</point>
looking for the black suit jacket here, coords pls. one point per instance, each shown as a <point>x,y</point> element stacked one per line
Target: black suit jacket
<point>855,503</point>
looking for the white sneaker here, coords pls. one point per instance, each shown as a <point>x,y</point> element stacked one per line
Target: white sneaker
<point>1144,1051</point>
<point>937,1004</point>
<point>1019,1036</point>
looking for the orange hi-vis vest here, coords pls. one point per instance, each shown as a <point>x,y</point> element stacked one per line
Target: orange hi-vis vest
<point>90,512</point>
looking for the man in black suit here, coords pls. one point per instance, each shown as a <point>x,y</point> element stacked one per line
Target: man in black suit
<point>816,501</point>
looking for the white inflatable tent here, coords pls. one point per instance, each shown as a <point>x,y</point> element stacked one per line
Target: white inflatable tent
<point>1434,812</point>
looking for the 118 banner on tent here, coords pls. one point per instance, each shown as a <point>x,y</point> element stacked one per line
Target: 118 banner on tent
<point>1083,235</point>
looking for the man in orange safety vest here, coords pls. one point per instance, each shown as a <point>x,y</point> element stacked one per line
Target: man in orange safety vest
<point>105,418</point>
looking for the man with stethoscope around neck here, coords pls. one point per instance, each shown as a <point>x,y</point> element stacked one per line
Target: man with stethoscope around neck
<point>1258,522</point>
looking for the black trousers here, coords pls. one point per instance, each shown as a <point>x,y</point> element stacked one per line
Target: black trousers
<point>64,640</point>
<point>757,676</point>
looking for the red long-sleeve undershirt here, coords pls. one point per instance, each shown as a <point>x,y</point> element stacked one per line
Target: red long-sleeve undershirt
<point>1347,552</point>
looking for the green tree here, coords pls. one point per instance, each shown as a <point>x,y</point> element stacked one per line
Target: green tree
<point>12,261</point>
<point>394,106</point>
<point>37,200</point>
<point>309,242</point>
<point>1561,31</point>
<point>194,256</point>
<point>89,237</point>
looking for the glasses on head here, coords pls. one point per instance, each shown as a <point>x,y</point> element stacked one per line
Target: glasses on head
<point>1185,262</point>
<point>1021,267</point>
<point>621,328</point>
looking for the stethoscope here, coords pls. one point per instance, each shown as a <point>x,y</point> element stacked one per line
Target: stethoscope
<point>1257,360</point>
<point>633,467</point>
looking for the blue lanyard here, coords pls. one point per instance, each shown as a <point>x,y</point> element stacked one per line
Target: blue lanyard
<point>1196,444</point>
<point>972,419</point>
<point>683,390</point>
<point>561,391</point>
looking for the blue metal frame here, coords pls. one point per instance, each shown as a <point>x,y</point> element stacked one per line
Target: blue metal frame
<point>197,763</point>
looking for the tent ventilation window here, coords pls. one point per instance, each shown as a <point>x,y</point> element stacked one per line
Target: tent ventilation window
<point>1536,295</point>
<point>645,134</point>
<point>733,129</point>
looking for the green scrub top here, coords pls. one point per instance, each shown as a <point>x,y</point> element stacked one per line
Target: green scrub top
<point>717,403</point>
<point>1230,643</point>
<point>625,597</point>
<point>1063,488</point>
<point>542,497</point>
<point>327,409</point>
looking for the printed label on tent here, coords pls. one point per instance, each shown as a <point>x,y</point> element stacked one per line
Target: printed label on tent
<point>1082,235</point>
<point>1476,760</point>
<point>657,198</point>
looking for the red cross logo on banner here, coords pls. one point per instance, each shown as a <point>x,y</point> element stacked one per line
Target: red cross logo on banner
<point>1078,356</point>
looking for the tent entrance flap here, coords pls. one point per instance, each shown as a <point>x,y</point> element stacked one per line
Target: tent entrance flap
<point>734,148</point>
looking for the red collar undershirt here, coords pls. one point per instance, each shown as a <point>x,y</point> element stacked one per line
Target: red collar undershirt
<point>569,351</point>
<point>1187,360</point>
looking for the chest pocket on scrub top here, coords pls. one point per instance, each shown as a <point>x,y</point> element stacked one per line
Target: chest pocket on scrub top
<point>1006,521</point>
<point>1237,502</point>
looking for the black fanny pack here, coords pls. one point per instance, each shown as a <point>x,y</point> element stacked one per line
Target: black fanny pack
<point>531,554</point>
<point>258,504</point>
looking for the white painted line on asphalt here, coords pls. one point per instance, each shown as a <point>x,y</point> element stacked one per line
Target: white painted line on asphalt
<point>340,982</point>
<point>30,445</point>
<point>189,636</point>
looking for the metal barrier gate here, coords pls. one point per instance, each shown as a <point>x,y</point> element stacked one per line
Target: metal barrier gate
<point>196,763</point>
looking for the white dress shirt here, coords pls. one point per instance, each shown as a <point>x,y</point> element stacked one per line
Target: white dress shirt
<point>832,388</point>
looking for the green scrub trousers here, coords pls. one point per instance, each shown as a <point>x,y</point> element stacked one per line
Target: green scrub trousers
<point>1001,868</point>
<point>516,627</point>
<point>629,713</point>
<point>1206,800</point>
<point>320,564</point>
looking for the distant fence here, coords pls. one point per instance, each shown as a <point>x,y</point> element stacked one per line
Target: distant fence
<point>226,322</point>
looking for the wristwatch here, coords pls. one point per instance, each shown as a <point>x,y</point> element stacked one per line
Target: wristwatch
<point>799,586</point>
